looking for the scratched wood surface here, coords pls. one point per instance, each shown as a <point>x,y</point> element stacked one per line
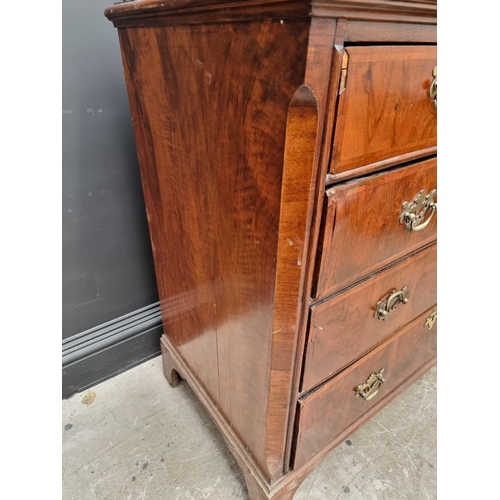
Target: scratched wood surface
<point>320,76</point>
<point>325,413</point>
<point>170,12</point>
<point>176,12</point>
<point>385,109</point>
<point>344,328</point>
<point>362,232</point>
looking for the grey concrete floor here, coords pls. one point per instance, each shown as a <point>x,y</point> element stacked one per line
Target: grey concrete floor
<point>142,440</point>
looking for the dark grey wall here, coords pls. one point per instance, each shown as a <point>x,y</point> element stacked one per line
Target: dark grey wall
<point>107,263</point>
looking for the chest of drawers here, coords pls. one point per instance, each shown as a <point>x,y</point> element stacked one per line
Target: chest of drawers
<point>288,160</point>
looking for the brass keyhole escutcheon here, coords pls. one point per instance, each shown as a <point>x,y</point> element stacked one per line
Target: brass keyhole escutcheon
<point>372,385</point>
<point>433,89</point>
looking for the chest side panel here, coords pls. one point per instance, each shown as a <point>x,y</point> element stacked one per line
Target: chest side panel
<point>209,106</point>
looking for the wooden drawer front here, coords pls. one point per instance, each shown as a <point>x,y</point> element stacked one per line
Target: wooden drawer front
<point>362,228</point>
<point>325,414</point>
<point>344,328</point>
<point>385,110</point>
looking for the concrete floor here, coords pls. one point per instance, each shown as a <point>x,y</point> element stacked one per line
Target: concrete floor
<point>142,440</point>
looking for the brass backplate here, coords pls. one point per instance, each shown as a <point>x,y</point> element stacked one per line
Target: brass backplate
<point>431,319</point>
<point>370,388</point>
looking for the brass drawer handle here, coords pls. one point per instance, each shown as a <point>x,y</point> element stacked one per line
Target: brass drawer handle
<point>386,306</point>
<point>370,388</point>
<point>431,319</point>
<point>433,89</point>
<point>414,212</point>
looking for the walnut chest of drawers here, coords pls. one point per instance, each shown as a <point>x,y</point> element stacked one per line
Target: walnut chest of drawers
<point>288,160</point>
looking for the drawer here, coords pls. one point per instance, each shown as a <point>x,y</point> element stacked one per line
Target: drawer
<point>348,325</point>
<point>384,107</point>
<point>336,408</point>
<point>365,227</point>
